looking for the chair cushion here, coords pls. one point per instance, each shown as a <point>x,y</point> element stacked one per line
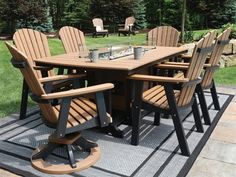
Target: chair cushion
<point>98,28</point>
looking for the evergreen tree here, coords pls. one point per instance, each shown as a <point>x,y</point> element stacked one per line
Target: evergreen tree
<point>21,13</point>
<point>139,11</point>
<point>76,13</point>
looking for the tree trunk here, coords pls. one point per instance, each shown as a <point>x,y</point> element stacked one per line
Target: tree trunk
<point>183,20</point>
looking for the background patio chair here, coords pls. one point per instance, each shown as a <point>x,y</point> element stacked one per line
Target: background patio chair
<point>99,29</point>
<point>34,44</point>
<point>167,98</point>
<point>73,114</point>
<point>128,27</point>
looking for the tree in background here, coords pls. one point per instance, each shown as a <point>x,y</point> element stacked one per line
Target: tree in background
<point>154,11</point>
<point>56,12</point>
<point>21,13</point>
<point>139,11</point>
<point>76,13</point>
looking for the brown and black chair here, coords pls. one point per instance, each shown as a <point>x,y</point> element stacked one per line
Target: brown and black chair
<point>127,27</point>
<point>72,114</point>
<point>99,29</point>
<point>211,65</point>
<point>73,40</point>
<point>166,36</point>
<point>34,45</point>
<point>171,95</point>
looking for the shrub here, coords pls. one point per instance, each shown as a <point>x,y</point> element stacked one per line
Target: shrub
<point>233,32</point>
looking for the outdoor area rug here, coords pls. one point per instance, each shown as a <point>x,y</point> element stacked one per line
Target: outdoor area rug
<point>158,153</point>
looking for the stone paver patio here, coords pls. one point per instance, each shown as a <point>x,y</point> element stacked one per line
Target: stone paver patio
<point>218,157</point>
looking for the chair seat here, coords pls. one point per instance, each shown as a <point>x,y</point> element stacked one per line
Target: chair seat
<point>157,97</point>
<point>123,29</point>
<point>81,110</point>
<point>179,75</point>
<point>102,31</point>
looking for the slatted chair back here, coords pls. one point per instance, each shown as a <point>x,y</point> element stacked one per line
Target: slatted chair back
<point>33,44</point>
<point>32,80</point>
<point>129,21</point>
<point>201,50</point>
<point>163,36</point>
<point>221,41</point>
<point>72,39</point>
<point>98,23</point>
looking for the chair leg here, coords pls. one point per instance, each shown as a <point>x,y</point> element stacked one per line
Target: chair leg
<point>24,100</point>
<point>180,134</point>
<point>71,156</point>
<point>157,118</point>
<point>214,96</point>
<point>176,120</point>
<point>135,111</point>
<point>197,117</point>
<point>203,105</point>
<point>46,151</point>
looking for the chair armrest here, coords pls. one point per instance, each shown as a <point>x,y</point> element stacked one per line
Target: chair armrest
<point>186,56</point>
<point>120,25</point>
<point>77,92</point>
<point>172,66</point>
<point>60,77</point>
<point>181,65</point>
<point>176,63</point>
<point>158,78</point>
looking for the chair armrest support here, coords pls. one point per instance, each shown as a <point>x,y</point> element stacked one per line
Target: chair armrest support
<point>158,78</point>
<point>77,92</point>
<point>61,78</point>
<point>43,68</point>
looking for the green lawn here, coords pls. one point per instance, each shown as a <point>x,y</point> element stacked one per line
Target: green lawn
<point>11,79</point>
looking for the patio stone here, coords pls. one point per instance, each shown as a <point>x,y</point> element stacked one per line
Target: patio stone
<point>234,99</point>
<point>225,134</point>
<point>228,120</point>
<point>211,168</point>
<point>231,109</point>
<point>7,174</point>
<point>221,151</point>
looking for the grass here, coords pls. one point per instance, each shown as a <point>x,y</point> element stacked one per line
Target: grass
<point>11,78</point>
<point>226,76</point>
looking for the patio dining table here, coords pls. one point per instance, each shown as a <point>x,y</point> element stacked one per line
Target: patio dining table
<point>116,71</point>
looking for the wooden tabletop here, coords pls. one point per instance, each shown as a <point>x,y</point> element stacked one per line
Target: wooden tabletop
<point>127,63</point>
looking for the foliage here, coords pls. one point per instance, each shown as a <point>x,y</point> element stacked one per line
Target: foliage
<point>233,30</point>
<point>139,10</point>
<point>188,36</point>
<point>21,13</point>
<point>76,13</point>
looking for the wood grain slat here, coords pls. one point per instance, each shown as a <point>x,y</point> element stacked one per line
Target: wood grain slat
<point>72,39</point>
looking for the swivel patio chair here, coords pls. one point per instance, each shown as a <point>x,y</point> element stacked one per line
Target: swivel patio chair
<point>128,27</point>
<point>34,45</point>
<point>171,95</point>
<point>99,29</point>
<point>211,65</point>
<point>72,114</point>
